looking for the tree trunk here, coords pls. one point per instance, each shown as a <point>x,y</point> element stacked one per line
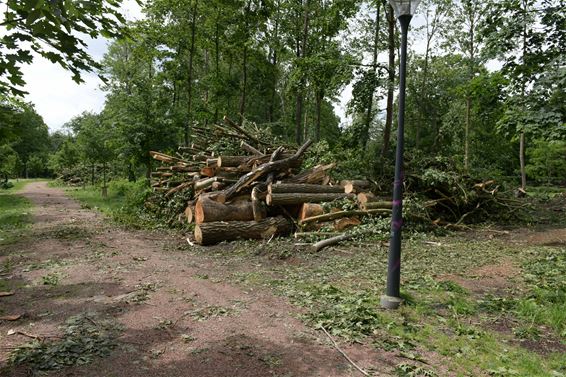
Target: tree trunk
<point>522,161</point>
<point>316,175</point>
<point>319,97</point>
<point>310,210</point>
<point>467,134</point>
<point>376,205</point>
<point>341,214</point>
<point>355,186</point>
<point>207,210</point>
<point>302,53</point>
<point>190,78</point>
<point>303,197</point>
<point>390,82</point>
<point>283,188</point>
<point>215,232</point>
<point>369,114</point>
<point>258,206</point>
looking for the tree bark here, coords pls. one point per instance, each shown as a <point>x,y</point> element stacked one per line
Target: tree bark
<point>207,210</point>
<point>303,197</point>
<point>369,111</point>
<point>315,175</point>
<point>355,186</point>
<point>282,188</point>
<point>341,214</point>
<point>190,78</point>
<point>215,232</point>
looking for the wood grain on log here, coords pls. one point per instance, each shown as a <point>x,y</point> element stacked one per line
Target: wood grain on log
<point>355,186</point>
<point>310,210</point>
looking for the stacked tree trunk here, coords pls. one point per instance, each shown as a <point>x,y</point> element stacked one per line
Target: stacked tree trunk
<point>259,192</point>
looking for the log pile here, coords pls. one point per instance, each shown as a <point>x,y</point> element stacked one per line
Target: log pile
<point>252,189</point>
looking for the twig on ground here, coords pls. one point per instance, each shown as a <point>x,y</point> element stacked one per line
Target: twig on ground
<point>344,353</point>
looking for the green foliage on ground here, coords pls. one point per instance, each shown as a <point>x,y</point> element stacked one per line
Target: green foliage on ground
<point>500,330</point>
<point>85,337</point>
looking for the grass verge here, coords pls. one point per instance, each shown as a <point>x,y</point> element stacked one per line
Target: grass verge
<point>15,212</point>
<point>123,203</point>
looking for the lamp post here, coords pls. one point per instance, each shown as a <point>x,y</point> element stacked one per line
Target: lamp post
<point>404,10</point>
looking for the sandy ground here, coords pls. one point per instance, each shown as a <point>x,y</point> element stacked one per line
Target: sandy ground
<point>102,269</point>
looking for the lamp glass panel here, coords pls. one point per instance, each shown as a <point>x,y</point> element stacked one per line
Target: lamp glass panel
<point>404,7</point>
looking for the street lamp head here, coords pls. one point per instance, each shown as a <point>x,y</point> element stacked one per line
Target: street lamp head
<point>404,7</point>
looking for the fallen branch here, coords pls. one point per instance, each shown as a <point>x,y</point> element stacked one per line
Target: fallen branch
<point>344,353</point>
<point>338,215</point>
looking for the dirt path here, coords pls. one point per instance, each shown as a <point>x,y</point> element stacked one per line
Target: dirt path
<point>180,317</point>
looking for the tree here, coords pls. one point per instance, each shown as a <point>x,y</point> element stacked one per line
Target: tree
<point>510,34</point>
<point>463,34</point>
<point>52,30</point>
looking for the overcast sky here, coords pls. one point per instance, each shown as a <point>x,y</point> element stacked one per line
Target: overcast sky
<point>56,96</point>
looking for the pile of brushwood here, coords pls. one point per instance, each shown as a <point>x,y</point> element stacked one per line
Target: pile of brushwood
<point>249,188</point>
<point>238,182</point>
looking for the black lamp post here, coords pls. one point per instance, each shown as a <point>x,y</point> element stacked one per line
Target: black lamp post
<point>404,10</point>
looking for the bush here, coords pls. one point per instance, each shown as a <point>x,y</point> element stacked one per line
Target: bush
<point>134,193</point>
<point>5,185</point>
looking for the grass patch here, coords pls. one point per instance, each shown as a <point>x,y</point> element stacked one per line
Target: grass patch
<point>15,213</point>
<point>124,202</point>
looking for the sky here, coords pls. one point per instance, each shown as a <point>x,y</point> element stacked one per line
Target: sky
<point>56,96</point>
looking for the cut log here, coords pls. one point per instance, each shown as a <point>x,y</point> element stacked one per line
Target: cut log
<point>207,210</point>
<point>355,186</point>
<point>203,184</point>
<point>248,148</point>
<point>213,162</point>
<point>315,175</point>
<point>243,132</point>
<point>345,223</point>
<point>303,197</point>
<point>165,158</point>
<point>189,213</point>
<point>338,215</point>
<point>208,171</point>
<point>376,205</point>
<point>181,187</point>
<point>261,170</point>
<point>215,232</point>
<point>366,197</point>
<point>310,210</point>
<point>258,207</point>
<point>232,161</point>
<point>216,186</point>
<point>330,241</point>
<point>281,188</point>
